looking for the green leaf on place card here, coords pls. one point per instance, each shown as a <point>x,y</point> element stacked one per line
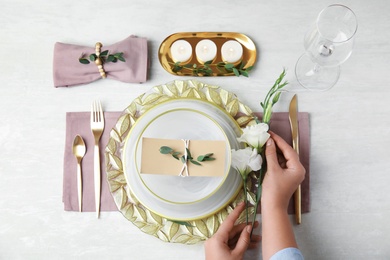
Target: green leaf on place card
<point>189,156</point>
<point>176,155</point>
<point>183,160</point>
<point>201,158</point>
<point>195,162</point>
<point>104,53</point>
<point>166,150</point>
<point>206,157</point>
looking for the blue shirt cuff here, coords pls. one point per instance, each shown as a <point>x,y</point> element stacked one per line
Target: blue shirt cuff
<point>290,253</point>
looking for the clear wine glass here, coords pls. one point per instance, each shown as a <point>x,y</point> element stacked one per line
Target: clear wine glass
<point>328,43</point>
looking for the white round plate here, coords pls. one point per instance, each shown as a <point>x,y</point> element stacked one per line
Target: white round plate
<point>179,124</point>
<point>202,204</point>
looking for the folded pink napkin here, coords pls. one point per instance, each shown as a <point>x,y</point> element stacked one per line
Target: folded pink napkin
<point>68,71</point>
<point>79,123</point>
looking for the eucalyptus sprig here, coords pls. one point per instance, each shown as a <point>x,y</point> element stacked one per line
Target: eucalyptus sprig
<point>176,155</point>
<point>196,70</point>
<point>236,69</point>
<point>206,70</point>
<point>104,56</point>
<point>272,97</point>
<point>206,157</point>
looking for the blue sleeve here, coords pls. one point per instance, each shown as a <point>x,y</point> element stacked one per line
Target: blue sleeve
<point>290,253</point>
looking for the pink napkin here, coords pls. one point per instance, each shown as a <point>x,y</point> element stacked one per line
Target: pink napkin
<point>68,71</point>
<point>78,123</point>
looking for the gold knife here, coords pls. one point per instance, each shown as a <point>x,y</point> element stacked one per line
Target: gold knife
<point>293,116</point>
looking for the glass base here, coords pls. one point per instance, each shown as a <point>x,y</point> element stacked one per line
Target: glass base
<point>314,77</point>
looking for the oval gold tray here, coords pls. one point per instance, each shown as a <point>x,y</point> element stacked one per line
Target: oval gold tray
<point>215,68</point>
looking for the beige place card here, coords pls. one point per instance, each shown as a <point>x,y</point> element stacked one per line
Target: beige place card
<point>154,162</point>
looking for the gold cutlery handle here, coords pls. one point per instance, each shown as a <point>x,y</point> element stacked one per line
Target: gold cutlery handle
<point>297,202</point>
<point>79,186</point>
<point>97,178</point>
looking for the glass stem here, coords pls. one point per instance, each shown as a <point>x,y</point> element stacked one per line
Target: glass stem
<point>316,68</point>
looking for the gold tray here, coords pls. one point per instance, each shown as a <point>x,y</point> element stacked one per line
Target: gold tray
<point>219,38</point>
<point>189,232</point>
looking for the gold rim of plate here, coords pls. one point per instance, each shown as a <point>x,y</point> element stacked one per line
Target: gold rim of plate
<point>186,232</point>
<point>219,38</point>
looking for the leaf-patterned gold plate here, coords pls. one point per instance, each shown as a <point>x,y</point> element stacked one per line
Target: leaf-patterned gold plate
<point>169,230</point>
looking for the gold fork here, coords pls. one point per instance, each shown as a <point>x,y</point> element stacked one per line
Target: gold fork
<point>97,126</point>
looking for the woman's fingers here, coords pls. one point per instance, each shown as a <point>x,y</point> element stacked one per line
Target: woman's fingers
<point>271,155</point>
<point>228,224</point>
<point>243,241</point>
<point>293,164</point>
<point>288,152</point>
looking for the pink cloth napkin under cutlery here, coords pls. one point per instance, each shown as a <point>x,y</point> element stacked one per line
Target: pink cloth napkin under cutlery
<point>79,123</point>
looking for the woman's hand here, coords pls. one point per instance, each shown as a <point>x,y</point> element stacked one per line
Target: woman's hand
<point>284,173</point>
<point>231,241</point>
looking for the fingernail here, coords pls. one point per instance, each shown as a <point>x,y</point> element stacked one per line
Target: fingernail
<point>248,229</point>
<point>269,142</point>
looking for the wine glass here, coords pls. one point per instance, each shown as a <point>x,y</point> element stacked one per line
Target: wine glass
<point>328,43</point>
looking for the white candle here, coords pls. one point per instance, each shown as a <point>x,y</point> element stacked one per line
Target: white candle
<point>205,50</point>
<point>181,51</point>
<point>231,51</point>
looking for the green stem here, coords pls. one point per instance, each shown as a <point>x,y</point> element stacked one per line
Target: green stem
<point>246,200</point>
<point>259,188</point>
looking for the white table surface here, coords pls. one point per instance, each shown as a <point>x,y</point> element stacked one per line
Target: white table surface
<point>350,125</point>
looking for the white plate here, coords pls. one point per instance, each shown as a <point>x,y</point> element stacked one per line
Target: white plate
<point>217,198</point>
<point>180,124</point>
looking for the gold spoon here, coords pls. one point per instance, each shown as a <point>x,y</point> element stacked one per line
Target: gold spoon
<point>79,150</point>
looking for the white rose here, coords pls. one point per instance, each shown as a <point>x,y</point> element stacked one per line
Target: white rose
<point>255,135</point>
<point>246,160</point>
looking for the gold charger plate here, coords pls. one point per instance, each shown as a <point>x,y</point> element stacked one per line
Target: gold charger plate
<point>219,38</point>
<point>189,232</point>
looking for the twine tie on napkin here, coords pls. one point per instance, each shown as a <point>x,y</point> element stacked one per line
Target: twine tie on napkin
<point>68,71</point>
<point>185,166</point>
